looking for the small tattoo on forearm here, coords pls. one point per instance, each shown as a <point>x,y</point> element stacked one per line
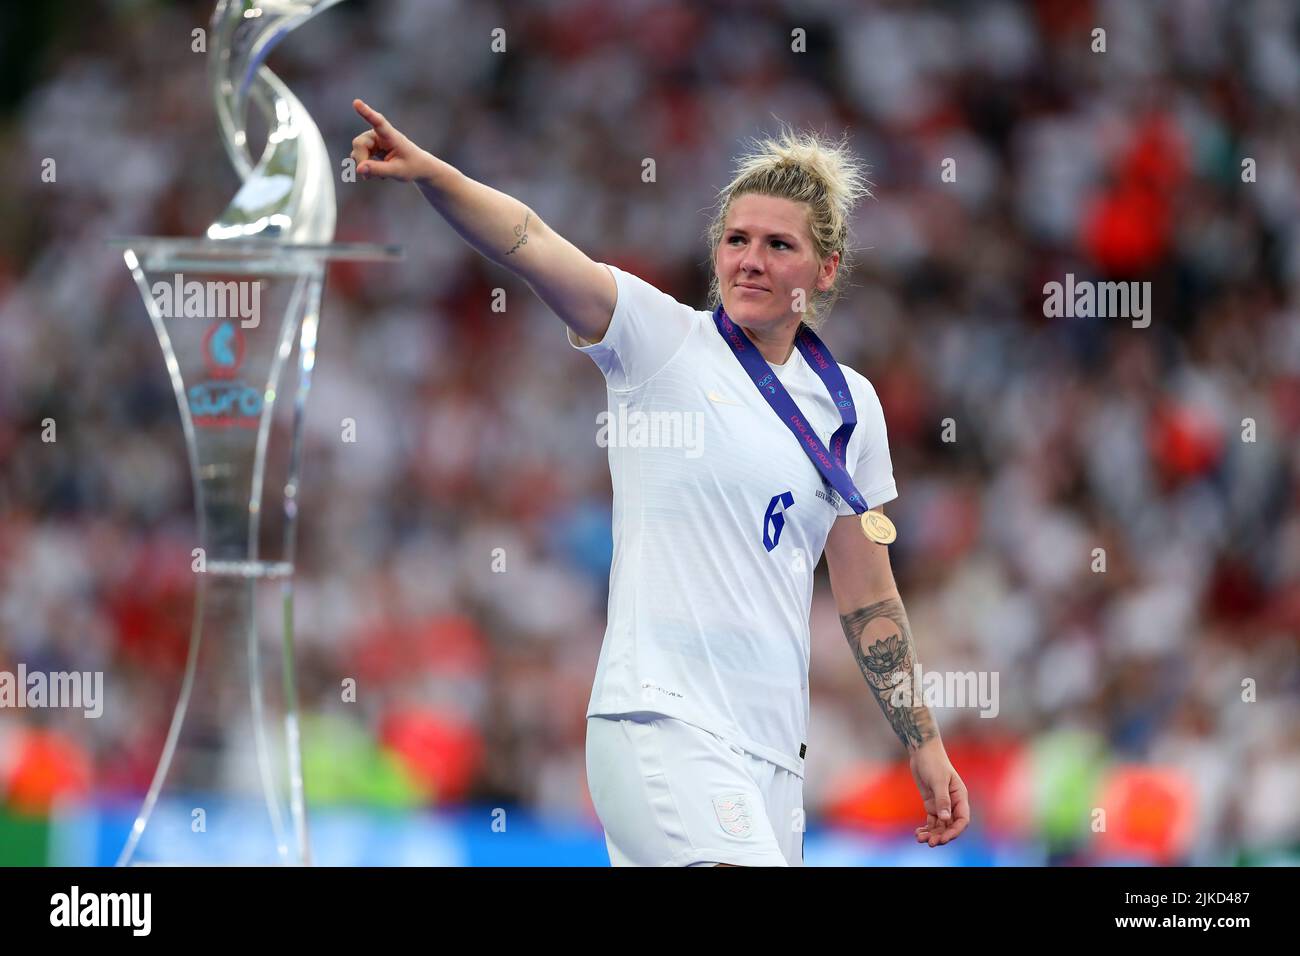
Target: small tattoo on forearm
<point>522,233</point>
<point>887,660</point>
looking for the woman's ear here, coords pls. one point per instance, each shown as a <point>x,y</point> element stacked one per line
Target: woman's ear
<point>826,277</point>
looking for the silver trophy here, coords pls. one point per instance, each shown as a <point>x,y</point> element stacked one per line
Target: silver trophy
<point>227,310</point>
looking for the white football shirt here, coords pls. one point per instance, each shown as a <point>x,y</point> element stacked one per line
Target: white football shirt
<point>719,519</point>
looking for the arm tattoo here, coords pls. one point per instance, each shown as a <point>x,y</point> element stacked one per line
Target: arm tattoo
<point>888,661</point>
<point>522,233</point>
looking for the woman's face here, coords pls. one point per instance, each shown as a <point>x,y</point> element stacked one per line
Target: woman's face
<point>766,256</point>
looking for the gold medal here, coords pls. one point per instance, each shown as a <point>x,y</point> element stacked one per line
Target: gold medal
<point>877,527</point>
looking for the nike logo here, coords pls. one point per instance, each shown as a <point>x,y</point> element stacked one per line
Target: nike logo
<point>715,397</point>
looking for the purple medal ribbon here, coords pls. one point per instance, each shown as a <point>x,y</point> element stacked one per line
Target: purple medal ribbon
<point>818,356</point>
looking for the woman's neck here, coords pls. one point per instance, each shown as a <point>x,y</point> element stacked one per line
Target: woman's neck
<point>775,345</point>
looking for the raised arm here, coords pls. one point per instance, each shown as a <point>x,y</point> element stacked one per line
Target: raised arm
<point>501,228</point>
<point>875,623</point>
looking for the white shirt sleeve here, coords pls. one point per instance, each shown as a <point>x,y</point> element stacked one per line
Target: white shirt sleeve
<point>873,472</point>
<point>645,332</point>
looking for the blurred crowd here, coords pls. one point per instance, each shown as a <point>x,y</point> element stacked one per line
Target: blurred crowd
<point>1170,677</point>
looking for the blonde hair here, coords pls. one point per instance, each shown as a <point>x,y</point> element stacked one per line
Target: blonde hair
<point>803,167</point>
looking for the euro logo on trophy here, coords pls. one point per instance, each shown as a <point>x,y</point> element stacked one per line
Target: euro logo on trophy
<point>228,309</point>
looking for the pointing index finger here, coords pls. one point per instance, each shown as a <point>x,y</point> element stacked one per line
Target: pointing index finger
<point>372,117</point>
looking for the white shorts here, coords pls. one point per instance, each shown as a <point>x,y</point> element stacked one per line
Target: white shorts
<point>669,793</point>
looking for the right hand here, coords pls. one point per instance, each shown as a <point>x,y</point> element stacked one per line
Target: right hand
<point>381,152</point>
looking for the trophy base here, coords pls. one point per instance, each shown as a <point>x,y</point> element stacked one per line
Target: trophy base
<point>204,830</point>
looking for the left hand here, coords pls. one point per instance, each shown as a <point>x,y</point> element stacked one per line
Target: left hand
<point>947,808</point>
